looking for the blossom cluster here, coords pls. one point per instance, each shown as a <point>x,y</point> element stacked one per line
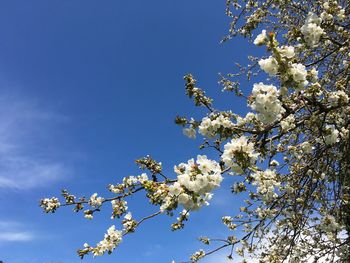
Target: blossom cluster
<point>129,223</point>
<point>197,255</point>
<point>111,240</point>
<point>332,135</point>
<point>266,103</point>
<point>311,30</point>
<point>195,181</point>
<point>228,221</point>
<point>50,204</point>
<point>210,126</point>
<point>95,201</point>
<point>288,123</point>
<point>337,98</point>
<point>329,225</point>
<point>239,154</point>
<point>128,182</point>
<point>269,65</point>
<point>299,74</point>
<point>266,182</point>
<point>119,207</point>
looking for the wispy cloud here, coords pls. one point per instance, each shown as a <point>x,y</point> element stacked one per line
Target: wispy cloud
<point>13,232</point>
<point>23,127</point>
<point>15,236</point>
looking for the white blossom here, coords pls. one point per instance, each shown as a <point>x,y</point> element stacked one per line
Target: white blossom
<point>314,75</point>
<point>266,103</point>
<point>337,97</point>
<point>95,201</point>
<point>332,135</point>
<point>311,30</point>
<point>288,123</point>
<point>197,255</point>
<point>261,38</point>
<point>306,147</point>
<point>269,65</point>
<point>329,224</point>
<point>237,149</point>
<point>111,240</point>
<point>299,73</point>
<point>210,125</point>
<point>199,177</point>
<point>190,132</point>
<point>286,51</point>
<point>266,182</point>
<point>50,204</point>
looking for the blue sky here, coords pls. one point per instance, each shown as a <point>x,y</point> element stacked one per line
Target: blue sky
<point>87,87</point>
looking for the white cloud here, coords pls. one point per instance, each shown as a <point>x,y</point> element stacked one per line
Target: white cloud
<point>15,236</point>
<point>12,232</point>
<point>24,129</point>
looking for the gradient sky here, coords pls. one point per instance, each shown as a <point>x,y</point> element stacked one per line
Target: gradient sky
<point>87,87</point>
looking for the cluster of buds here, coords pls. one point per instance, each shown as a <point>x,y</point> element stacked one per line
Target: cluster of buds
<point>50,204</point>
<point>197,255</point>
<point>119,208</point>
<point>129,223</point>
<point>129,184</point>
<point>150,164</point>
<point>228,221</point>
<point>196,93</point>
<point>70,199</point>
<point>184,215</point>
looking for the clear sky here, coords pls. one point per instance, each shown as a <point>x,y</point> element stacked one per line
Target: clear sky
<point>87,87</point>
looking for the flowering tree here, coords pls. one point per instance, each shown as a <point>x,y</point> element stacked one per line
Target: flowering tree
<point>290,155</point>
